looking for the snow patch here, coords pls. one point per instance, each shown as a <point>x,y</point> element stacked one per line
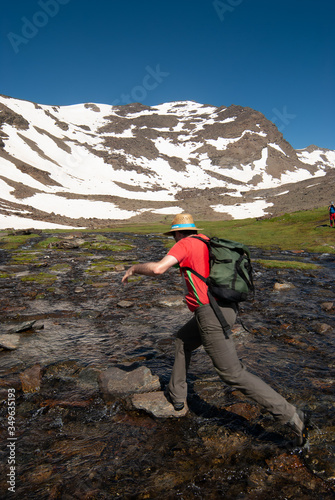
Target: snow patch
<point>245,210</point>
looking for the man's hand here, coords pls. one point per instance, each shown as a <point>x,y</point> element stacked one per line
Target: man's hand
<point>127,274</point>
<point>151,268</point>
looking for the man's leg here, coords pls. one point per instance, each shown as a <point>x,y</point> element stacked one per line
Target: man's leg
<point>187,339</point>
<point>224,357</point>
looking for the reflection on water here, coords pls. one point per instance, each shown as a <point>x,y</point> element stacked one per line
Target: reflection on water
<point>73,443</point>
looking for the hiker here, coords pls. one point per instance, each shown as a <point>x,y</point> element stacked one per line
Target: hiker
<point>331,210</point>
<point>205,329</point>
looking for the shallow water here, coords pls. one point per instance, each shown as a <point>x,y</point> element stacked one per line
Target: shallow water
<point>73,443</point>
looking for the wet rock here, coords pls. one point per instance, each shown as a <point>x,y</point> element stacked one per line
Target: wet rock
<point>31,379</point>
<point>221,442</point>
<point>323,328</point>
<point>327,306</point>
<point>124,304</point>
<point>27,325</point>
<point>79,289</point>
<point>119,268</point>
<point>11,383</point>
<point>257,480</point>
<point>20,232</point>
<point>40,474</point>
<point>117,381</point>
<point>291,466</point>
<point>245,410</point>
<point>63,369</point>
<point>285,462</point>
<point>66,244</point>
<point>320,456</point>
<point>157,405</point>
<point>9,341</point>
<point>283,286</point>
<point>88,378</point>
<point>171,301</point>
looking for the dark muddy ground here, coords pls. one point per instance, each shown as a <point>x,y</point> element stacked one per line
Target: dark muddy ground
<point>71,442</point>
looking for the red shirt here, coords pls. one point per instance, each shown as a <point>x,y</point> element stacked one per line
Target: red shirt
<point>193,253</point>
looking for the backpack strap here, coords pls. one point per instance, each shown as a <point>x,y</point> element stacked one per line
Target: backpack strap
<point>213,303</point>
<point>219,315</point>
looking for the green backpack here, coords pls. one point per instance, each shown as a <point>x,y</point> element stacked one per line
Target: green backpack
<point>230,279</point>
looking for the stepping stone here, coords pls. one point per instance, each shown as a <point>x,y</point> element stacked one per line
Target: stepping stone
<point>157,405</point>
<point>117,381</point>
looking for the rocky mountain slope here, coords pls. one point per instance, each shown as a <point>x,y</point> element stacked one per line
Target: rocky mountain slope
<point>90,164</point>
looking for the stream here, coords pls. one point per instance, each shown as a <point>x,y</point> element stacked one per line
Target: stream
<point>66,317</point>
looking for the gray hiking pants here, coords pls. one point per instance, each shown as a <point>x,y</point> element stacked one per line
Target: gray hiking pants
<point>205,329</point>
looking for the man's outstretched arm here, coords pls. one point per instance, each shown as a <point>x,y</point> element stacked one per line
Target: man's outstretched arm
<point>151,268</point>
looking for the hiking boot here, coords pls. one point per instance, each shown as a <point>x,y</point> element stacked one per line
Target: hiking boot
<point>298,424</point>
<point>177,406</point>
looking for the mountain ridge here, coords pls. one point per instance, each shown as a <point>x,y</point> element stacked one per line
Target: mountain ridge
<point>89,165</point>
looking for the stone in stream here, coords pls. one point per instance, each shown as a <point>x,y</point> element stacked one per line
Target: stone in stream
<point>31,379</point>
<point>171,301</point>
<point>283,286</point>
<point>9,341</point>
<point>327,306</point>
<point>27,325</point>
<point>124,304</point>
<point>157,405</point>
<point>117,381</point>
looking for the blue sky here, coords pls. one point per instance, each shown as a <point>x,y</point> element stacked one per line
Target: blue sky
<point>275,56</point>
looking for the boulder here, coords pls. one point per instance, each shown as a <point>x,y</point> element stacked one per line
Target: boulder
<point>327,306</point>
<point>9,341</point>
<point>23,327</point>
<point>171,301</point>
<point>119,268</point>
<point>157,405</point>
<point>117,381</point>
<point>31,379</point>
<point>283,286</point>
<point>124,304</point>
<point>323,328</point>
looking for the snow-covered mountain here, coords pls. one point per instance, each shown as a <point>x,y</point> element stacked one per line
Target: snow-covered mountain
<point>93,164</point>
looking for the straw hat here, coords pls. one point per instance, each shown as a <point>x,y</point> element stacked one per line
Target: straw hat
<point>182,222</point>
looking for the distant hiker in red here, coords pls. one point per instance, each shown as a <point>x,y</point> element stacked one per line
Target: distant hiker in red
<point>331,210</point>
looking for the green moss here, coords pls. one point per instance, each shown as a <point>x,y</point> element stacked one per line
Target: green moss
<point>102,266</point>
<point>60,268</point>
<point>24,257</point>
<point>12,242</point>
<point>40,278</point>
<point>137,278</point>
<point>106,244</point>
<point>285,264</point>
<point>47,242</point>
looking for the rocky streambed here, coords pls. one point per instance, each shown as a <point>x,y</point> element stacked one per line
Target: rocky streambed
<point>84,362</point>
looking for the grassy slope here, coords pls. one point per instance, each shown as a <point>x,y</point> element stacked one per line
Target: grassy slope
<point>306,230</point>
